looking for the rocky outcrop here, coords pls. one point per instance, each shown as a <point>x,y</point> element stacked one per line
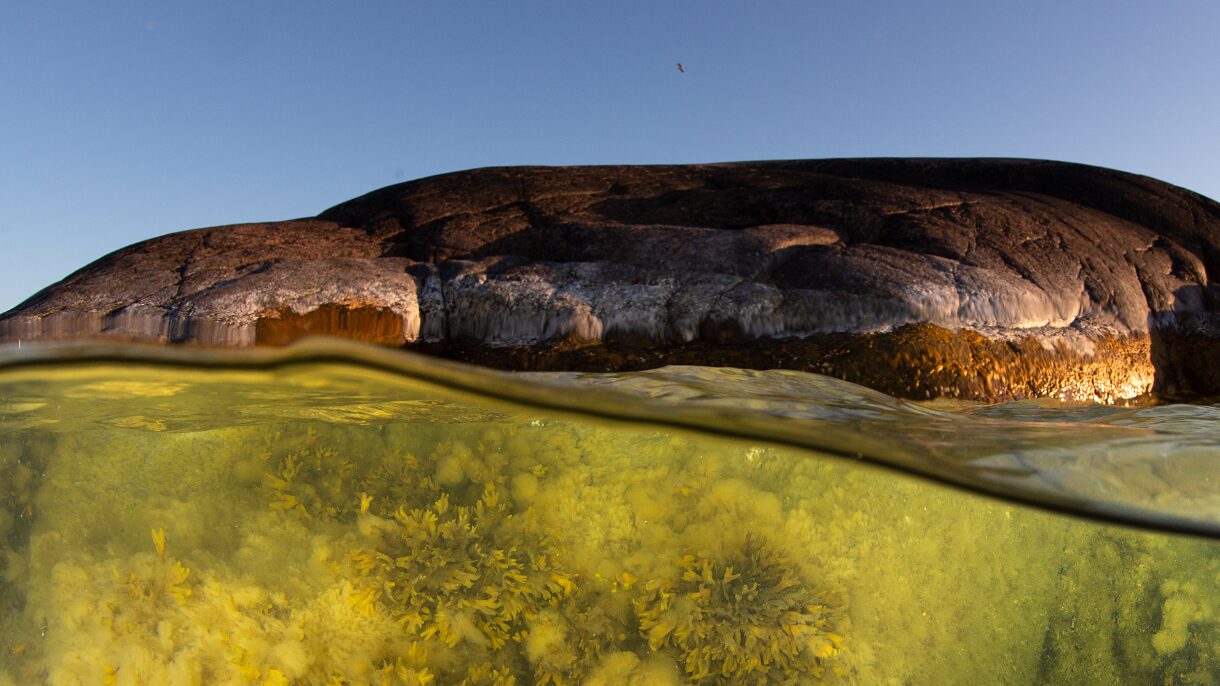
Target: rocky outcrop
<point>982,278</point>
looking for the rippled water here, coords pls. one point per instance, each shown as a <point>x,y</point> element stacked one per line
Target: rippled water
<point>334,514</point>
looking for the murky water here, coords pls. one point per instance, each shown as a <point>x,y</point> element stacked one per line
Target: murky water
<point>340,515</point>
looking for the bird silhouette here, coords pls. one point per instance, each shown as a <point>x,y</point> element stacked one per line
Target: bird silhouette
<point>681,68</point>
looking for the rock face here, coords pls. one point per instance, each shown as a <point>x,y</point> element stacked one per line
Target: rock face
<point>979,278</point>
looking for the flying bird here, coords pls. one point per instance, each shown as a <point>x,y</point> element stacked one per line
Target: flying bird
<point>681,68</point>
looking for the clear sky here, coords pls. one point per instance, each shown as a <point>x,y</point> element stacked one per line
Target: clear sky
<point>125,120</point>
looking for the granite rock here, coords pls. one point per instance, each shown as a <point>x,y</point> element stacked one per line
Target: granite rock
<point>978,278</point>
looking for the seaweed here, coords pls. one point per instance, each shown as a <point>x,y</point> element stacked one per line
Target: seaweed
<point>313,482</point>
<point>749,618</point>
<point>461,575</point>
<point>153,587</point>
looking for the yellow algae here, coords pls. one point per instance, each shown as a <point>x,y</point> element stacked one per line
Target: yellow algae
<point>524,488</point>
<point>19,407</point>
<point>538,550</point>
<point>545,638</point>
<point>139,422</point>
<point>125,388</point>
<point>158,537</point>
<point>1183,606</point>
<point>744,616</point>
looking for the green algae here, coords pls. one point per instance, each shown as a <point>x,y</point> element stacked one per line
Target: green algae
<point>250,528</point>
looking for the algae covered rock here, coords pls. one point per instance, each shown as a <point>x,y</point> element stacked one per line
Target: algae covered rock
<point>977,278</point>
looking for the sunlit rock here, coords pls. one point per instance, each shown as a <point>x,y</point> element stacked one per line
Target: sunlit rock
<point>980,278</point>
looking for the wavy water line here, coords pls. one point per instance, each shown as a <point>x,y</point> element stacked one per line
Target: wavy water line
<point>1092,464</point>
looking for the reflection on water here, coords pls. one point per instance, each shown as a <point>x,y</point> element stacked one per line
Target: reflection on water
<point>336,523</point>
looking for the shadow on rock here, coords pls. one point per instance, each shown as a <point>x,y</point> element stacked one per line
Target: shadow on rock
<point>1186,344</point>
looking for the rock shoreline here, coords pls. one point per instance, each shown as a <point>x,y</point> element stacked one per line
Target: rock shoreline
<point>971,278</point>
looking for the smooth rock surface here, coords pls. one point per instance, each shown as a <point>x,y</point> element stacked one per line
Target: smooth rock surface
<point>980,278</point>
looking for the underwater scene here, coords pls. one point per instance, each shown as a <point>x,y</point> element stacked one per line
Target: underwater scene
<point>332,514</point>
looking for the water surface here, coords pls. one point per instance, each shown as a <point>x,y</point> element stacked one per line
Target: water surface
<point>333,514</point>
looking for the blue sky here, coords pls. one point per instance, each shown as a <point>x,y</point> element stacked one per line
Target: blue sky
<point>123,121</point>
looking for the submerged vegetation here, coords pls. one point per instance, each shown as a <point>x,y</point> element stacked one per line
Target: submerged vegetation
<point>396,569</point>
<point>558,553</point>
<point>751,618</point>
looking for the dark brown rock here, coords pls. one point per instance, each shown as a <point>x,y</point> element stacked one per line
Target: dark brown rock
<point>924,277</point>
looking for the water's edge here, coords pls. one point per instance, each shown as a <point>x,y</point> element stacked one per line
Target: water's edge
<point>1003,461</point>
